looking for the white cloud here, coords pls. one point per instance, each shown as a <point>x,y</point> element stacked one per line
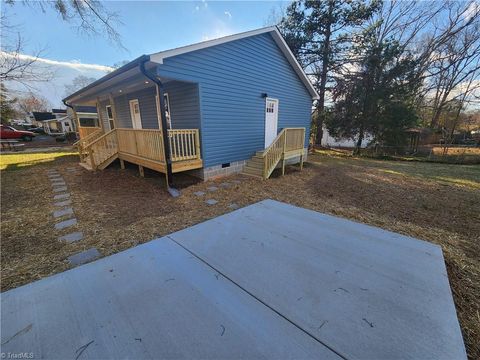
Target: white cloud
<point>64,73</point>
<point>472,9</point>
<point>228,13</point>
<point>73,64</point>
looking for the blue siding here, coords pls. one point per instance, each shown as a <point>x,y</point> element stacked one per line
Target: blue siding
<point>146,100</point>
<point>103,113</point>
<point>232,78</point>
<point>184,104</point>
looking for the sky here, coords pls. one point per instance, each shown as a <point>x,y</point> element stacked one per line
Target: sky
<point>147,27</point>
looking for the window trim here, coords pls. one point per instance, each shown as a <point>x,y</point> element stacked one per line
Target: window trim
<point>110,119</point>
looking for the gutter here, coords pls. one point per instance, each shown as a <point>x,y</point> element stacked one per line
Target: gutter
<point>166,145</point>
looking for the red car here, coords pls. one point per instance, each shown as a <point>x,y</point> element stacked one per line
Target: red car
<point>8,132</point>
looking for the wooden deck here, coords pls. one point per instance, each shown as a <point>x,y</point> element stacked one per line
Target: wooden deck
<point>143,147</point>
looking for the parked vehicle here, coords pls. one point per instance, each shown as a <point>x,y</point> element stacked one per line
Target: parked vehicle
<point>8,132</point>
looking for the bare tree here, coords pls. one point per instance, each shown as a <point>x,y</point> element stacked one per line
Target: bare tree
<point>89,16</point>
<point>32,102</point>
<point>14,65</point>
<point>78,83</point>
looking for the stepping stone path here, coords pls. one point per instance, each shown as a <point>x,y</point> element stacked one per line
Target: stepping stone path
<point>233,206</point>
<point>236,182</point>
<point>199,193</point>
<point>211,201</point>
<point>225,185</point>
<point>61,196</point>
<point>212,188</point>
<point>63,212</point>
<point>63,203</point>
<point>72,237</point>
<point>60,189</point>
<point>84,257</point>
<point>65,223</point>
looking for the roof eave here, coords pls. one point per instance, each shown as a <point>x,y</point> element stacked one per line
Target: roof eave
<point>109,76</point>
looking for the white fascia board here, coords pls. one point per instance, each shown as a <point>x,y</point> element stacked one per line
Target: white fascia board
<point>278,38</point>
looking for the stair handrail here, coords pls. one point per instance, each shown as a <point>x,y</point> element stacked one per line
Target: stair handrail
<point>278,143</point>
<point>90,151</point>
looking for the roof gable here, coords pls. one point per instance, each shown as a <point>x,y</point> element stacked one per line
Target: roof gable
<point>277,37</point>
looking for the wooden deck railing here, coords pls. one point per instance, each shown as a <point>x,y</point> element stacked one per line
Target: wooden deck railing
<point>143,143</point>
<point>85,141</point>
<point>103,148</point>
<point>288,140</point>
<point>184,144</point>
<point>86,131</point>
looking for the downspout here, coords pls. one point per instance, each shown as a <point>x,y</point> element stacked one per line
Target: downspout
<point>166,145</point>
<point>77,123</point>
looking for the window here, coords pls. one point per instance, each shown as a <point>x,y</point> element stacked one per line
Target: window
<point>166,101</point>
<point>270,107</point>
<point>87,122</point>
<point>110,117</point>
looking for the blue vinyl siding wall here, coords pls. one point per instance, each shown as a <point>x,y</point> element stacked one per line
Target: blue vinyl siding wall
<point>103,113</point>
<point>146,100</point>
<point>232,78</point>
<point>184,104</point>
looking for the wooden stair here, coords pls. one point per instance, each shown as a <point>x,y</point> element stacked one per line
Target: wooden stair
<point>254,166</point>
<point>288,144</point>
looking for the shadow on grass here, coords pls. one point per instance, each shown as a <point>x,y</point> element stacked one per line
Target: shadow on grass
<point>13,162</point>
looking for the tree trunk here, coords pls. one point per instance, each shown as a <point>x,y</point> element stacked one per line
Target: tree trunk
<point>358,145</point>
<point>323,78</point>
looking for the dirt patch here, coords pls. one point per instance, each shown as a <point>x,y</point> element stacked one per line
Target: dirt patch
<point>117,209</point>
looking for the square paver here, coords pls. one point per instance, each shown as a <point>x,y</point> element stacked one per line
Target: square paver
<point>233,206</point>
<point>199,193</point>
<point>59,183</point>
<point>63,203</point>
<point>61,196</point>
<point>60,189</point>
<point>66,223</point>
<point>212,188</point>
<point>55,177</point>
<point>84,257</point>
<point>63,212</point>
<point>72,237</point>
<point>211,201</point>
<point>225,185</point>
<point>236,182</point>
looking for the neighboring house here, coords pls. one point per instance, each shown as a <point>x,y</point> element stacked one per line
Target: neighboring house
<point>238,103</point>
<point>330,141</point>
<point>55,122</point>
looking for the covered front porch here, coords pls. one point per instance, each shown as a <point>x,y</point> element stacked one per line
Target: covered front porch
<point>143,147</point>
<point>130,124</point>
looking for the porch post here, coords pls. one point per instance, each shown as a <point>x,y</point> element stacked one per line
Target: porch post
<point>114,111</point>
<point>164,128</point>
<point>77,122</point>
<point>99,115</point>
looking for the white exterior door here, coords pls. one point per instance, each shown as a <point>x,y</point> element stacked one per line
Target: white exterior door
<point>271,120</point>
<point>135,114</point>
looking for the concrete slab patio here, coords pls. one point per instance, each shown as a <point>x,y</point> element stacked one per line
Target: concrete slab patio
<point>267,281</point>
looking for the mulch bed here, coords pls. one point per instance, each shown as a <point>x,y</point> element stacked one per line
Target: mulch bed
<point>116,209</point>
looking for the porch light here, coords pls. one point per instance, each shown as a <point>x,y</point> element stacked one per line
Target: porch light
<point>146,82</point>
<point>120,90</point>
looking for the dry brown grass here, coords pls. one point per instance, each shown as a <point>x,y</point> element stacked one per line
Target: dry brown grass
<point>117,209</point>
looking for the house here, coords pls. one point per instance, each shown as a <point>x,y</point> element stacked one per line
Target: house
<point>55,122</point>
<point>233,104</point>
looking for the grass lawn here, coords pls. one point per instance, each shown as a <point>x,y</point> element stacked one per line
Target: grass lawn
<point>116,209</point>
